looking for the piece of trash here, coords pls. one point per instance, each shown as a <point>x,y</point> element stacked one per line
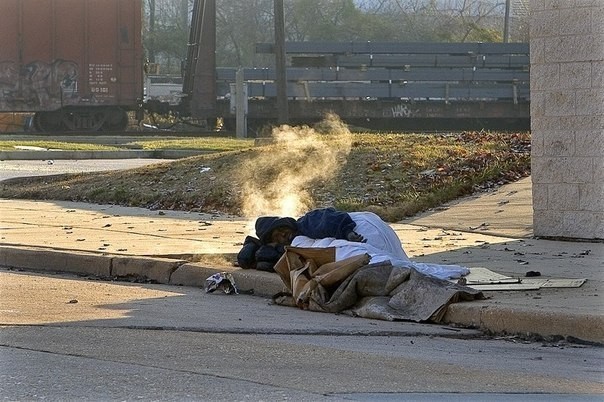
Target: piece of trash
<point>72,301</point>
<point>204,169</point>
<point>107,225</point>
<point>522,262</point>
<point>221,281</point>
<point>533,273</point>
<point>482,226</point>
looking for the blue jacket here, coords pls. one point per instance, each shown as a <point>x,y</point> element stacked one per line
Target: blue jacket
<point>326,222</point>
<point>256,253</point>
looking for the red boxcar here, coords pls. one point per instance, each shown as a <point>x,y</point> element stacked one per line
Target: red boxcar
<point>77,63</point>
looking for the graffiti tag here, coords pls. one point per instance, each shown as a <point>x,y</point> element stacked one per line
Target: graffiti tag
<point>402,111</point>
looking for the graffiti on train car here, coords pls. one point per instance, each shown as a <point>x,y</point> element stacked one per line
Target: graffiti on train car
<point>38,85</point>
<point>401,110</point>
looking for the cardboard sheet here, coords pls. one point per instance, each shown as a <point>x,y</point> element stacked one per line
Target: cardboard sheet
<point>485,279</point>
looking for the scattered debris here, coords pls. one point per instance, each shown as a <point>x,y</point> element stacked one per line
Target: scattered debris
<point>221,281</point>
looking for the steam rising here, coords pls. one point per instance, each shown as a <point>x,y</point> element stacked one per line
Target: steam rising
<point>278,181</point>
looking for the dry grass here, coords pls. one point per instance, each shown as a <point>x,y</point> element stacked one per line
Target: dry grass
<point>394,175</point>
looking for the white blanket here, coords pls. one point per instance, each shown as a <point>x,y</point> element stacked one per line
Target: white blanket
<point>382,244</point>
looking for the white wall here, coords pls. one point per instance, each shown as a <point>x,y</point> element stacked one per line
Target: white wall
<point>567,124</point>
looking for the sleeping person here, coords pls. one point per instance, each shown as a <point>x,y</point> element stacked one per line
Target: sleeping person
<point>350,233</point>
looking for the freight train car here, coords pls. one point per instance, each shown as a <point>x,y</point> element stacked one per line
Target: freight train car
<point>77,64</point>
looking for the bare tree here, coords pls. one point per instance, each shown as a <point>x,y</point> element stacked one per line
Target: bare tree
<point>242,24</point>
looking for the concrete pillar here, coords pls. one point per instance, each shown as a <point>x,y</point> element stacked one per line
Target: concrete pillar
<point>567,117</point>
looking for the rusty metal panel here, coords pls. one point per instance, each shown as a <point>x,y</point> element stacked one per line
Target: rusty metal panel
<point>57,53</point>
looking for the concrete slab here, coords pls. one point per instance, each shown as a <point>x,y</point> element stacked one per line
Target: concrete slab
<point>506,211</point>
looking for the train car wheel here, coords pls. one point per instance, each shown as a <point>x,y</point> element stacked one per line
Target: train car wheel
<point>116,119</point>
<point>48,121</point>
<point>83,119</point>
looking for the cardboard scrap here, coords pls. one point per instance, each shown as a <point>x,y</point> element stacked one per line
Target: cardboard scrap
<point>485,279</point>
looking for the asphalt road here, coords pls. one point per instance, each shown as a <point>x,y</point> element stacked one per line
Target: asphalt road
<point>71,338</point>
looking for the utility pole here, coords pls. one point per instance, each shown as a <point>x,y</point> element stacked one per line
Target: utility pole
<point>506,23</point>
<point>279,20</point>
<point>151,31</point>
<point>200,76</point>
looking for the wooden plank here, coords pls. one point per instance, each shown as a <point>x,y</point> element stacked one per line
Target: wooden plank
<point>432,60</point>
<point>396,48</point>
<point>359,90</point>
<point>378,74</point>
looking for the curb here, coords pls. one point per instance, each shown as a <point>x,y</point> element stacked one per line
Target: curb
<point>477,314</point>
<point>528,322</point>
<point>125,154</point>
<point>159,270</point>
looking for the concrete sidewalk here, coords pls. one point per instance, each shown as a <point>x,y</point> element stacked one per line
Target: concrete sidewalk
<point>490,230</point>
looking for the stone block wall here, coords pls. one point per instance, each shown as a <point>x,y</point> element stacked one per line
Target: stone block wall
<point>567,117</point>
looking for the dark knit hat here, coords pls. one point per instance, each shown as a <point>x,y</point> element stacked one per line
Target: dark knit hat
<point>266,224</point>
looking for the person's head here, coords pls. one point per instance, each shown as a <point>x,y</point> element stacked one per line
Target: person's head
<point>282,235</point>
<point>276,230</point>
